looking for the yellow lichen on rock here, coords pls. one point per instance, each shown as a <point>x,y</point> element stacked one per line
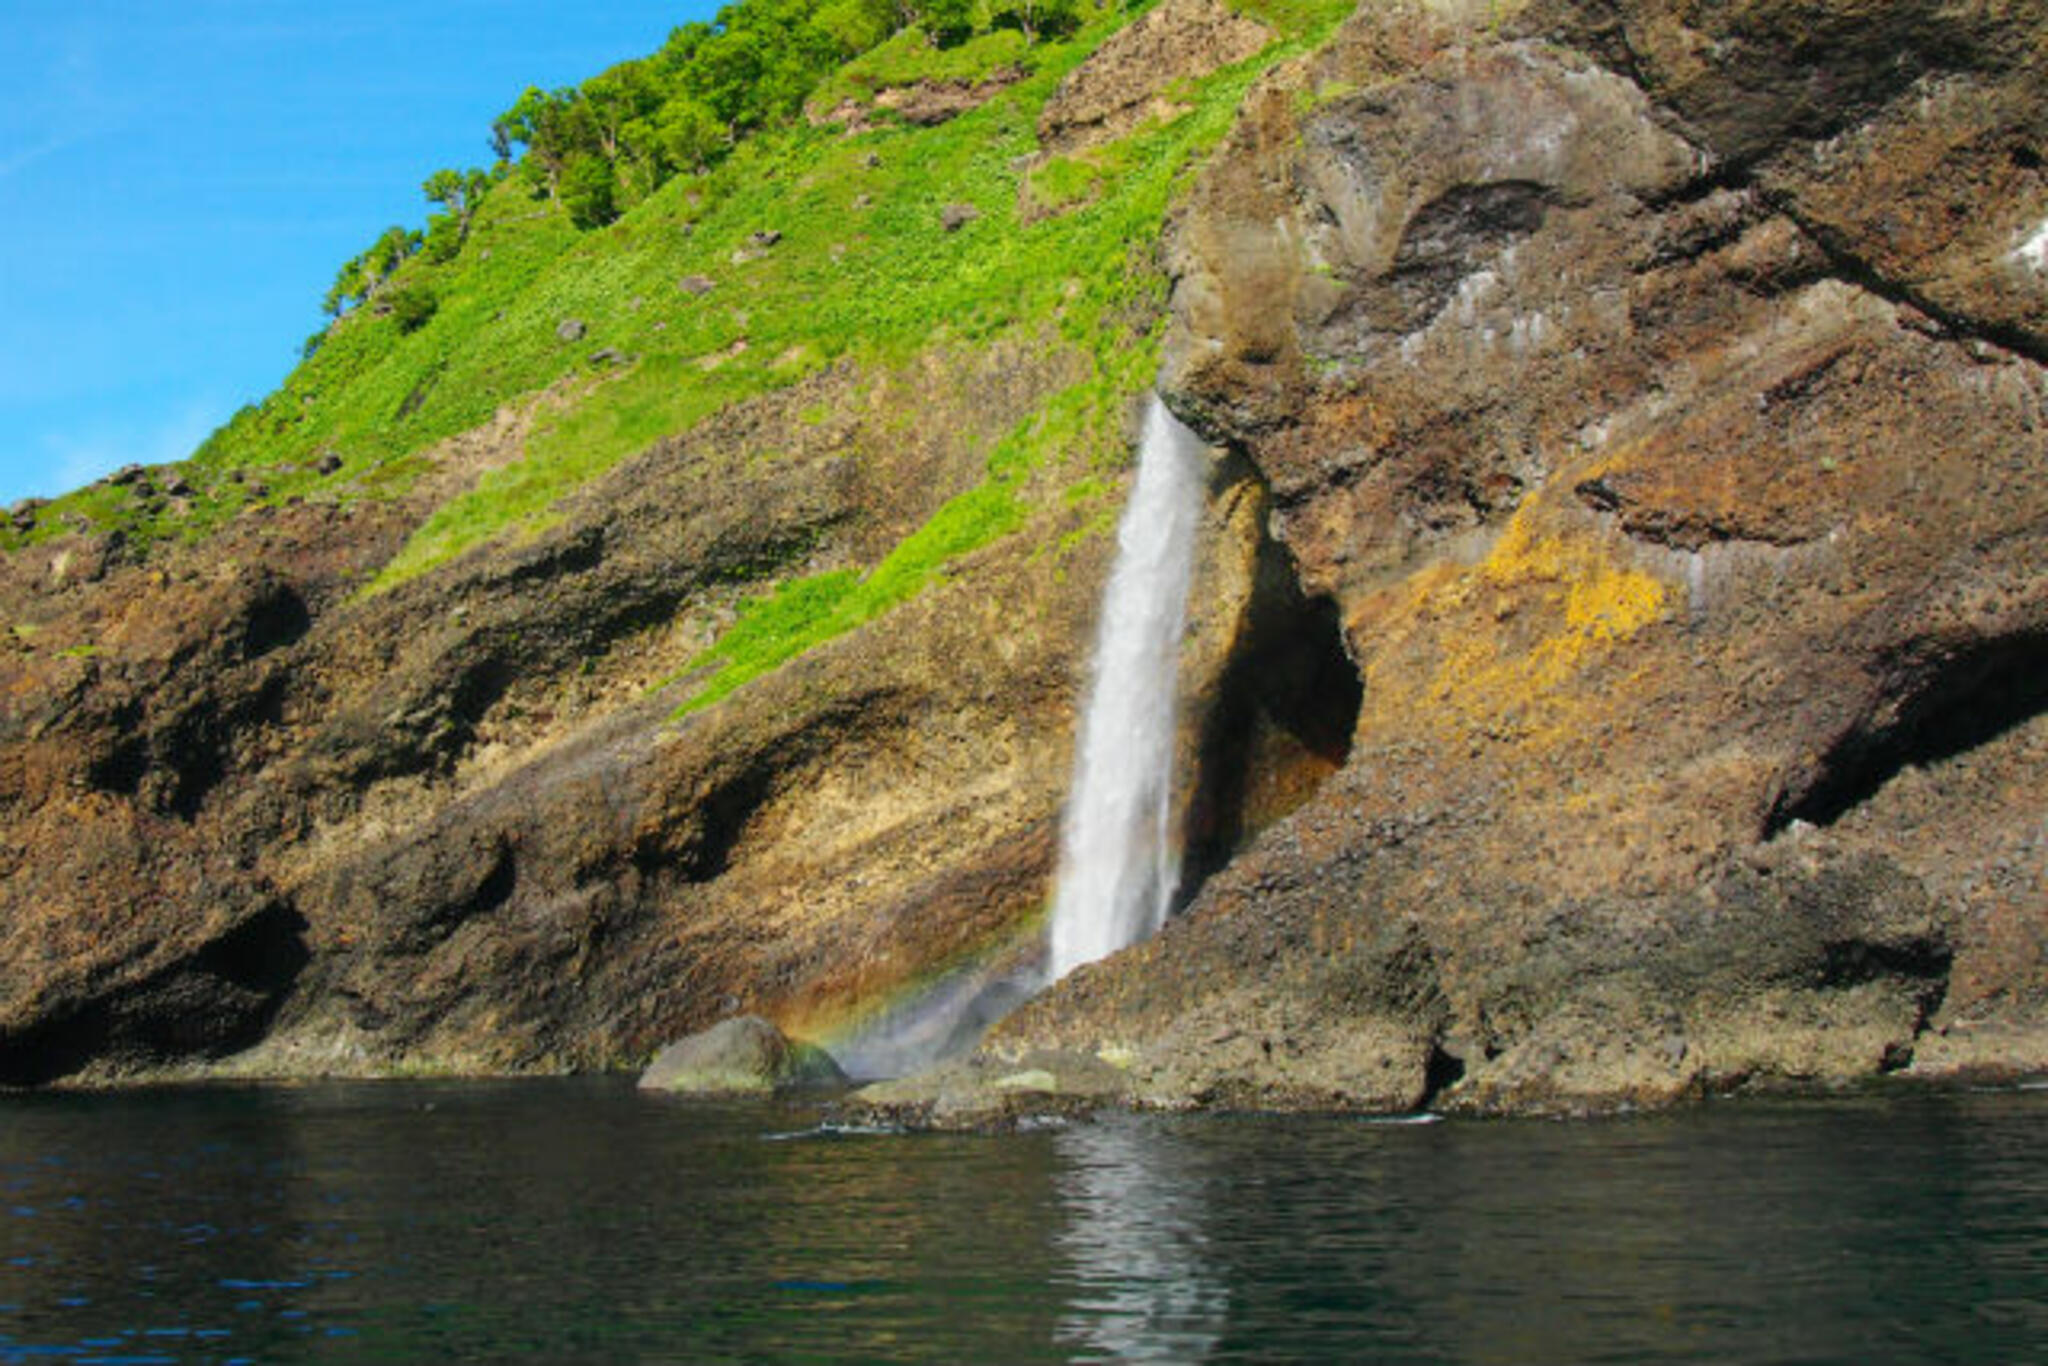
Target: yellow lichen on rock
<point>1510,634</point>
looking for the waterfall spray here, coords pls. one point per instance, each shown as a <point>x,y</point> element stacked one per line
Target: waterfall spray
<point>1119,863</point>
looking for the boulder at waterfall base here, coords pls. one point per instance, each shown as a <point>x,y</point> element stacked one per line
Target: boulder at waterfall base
<point>743,1056</point>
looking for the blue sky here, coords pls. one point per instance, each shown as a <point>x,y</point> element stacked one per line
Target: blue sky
<point>180,180</point>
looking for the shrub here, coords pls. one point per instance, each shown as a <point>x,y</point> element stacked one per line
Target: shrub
<point>412,306</point>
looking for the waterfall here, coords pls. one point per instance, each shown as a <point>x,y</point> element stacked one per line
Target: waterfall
<point>1119,864</point>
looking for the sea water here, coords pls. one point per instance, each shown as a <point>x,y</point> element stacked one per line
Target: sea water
<point>583,1221</point>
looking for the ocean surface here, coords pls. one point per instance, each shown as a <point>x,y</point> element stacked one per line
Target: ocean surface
<point>580,1221</point>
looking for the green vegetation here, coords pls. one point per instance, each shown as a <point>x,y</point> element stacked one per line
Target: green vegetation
<point>609,143</point>
<point>910,56</point>
<point>620,198</point>
<point>1062,183</point>
<point>864,269</point>
<point>366,273</point>
<point>801,613</point>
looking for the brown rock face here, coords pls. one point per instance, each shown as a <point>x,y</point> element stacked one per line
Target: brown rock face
<point>921,105</point>
<point>1656,391</point>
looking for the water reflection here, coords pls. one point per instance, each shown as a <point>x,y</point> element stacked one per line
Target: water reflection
<point>1143,1283</point>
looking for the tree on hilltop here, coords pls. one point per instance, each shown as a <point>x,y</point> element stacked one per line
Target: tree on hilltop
<point>364,274</point>
<point>459,192</point>
<point>588,190</point>
<point>553,125</point>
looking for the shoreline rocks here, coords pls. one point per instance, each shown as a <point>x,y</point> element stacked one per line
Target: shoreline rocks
<point>741,1056</point>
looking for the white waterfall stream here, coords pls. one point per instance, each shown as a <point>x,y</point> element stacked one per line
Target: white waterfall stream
<point>1119,861</point>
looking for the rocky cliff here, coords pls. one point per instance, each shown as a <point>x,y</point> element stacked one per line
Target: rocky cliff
<point>1657,392</point>
<point>1617,662</point>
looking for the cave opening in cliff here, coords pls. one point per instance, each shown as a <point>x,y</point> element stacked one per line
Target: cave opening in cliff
<point>1282,722</point>
<point>212,1002</point>
<point>1964,700</point>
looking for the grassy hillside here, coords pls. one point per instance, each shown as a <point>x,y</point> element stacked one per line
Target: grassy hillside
<point>810,244</point>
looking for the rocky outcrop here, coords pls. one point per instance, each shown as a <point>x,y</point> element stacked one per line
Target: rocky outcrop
<point>1657,395</point>
<point>921,104</point>
<point>453,825</point>
<point>933,102</point>
<point>1130,77</point>
<point>996,1094</point>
